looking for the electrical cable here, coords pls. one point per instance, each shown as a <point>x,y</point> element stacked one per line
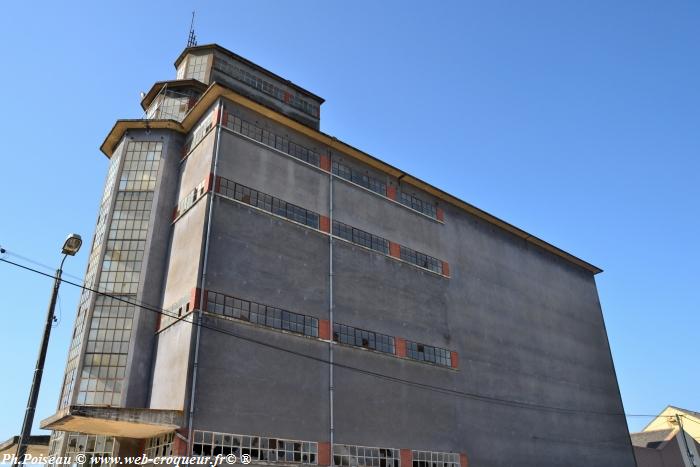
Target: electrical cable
<point>446,391</point>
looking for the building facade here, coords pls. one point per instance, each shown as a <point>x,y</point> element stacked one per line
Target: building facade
<point>256,286</point>
<point>672,439</point>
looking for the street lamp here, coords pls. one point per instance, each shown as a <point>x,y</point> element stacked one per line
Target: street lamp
<point>70,248</point>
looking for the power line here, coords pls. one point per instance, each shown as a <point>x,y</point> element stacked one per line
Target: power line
<point>446,391</point>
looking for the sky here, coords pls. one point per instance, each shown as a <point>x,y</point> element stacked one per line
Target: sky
<point>575,121</point>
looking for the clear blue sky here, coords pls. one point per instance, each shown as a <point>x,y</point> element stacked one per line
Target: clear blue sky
<point>576,121</point>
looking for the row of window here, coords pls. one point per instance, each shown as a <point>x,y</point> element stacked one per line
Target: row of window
<point>371,183</point>
<point>347,455</point>
<point>260,84</point>
<point>261,314</point>
<point>419,205</point>
<point>293,212</point>
<point>267,449</point>
<point>268,203</point>
<point>428,353</point>
<point>360,237</point>
<point>277,318</point>
<point>435,459</point>
<point>199,132</point>
<point>259,448</point>
<point>189,199</point>
<point>420,259</point>
<point>361,338</point>
<point>268,138</point>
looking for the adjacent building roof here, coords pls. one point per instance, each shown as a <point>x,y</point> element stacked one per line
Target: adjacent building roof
<point>652,439</point>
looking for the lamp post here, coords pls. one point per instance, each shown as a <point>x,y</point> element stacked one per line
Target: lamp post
<point>70,248</point>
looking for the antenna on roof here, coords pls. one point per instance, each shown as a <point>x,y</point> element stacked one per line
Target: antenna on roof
<point>192,38</point>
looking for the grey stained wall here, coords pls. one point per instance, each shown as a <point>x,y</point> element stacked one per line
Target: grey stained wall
<point>527,326</point>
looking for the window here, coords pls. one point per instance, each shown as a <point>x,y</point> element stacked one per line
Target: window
<point>427,353</point>
<point>263,315</point>
<point>175,311</point>
<point>268,203</point>
<point>361,338</point>
<point>197,67</point>
<point>160,446</point>
<point>421,259</point>
<point>93,446</point>
<point>346,455</point>
<point>435,459</point>
<point>259,448</point>
<point>360,237</point>
<point>419,205</point>
<point>371,183</point>
<point>171,105</point>
<point>199,132</point>
<point>190,198</point>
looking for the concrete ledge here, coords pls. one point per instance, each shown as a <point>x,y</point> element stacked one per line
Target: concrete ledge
<point>114,421</point>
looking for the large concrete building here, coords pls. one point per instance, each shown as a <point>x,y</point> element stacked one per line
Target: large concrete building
<point>322,306</point>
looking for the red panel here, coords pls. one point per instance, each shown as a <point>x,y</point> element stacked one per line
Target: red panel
<point>324,453</point>
<point>179,444</point>
<point>463,460</point>
<point>175,213</point>
<point>195,293</point>
<point>325,162</point>
<point>209,184</point>
<point>391,192</point>
<point>224,117</point>
<point>325,224</point>
<point>406,457</point>
<point>395,250</point>
<point>440,215</point>
<point>400,347</point>
<point>445,269</point>
<point>324,329</point>
<point>217,188</point>
<point>455,359</point>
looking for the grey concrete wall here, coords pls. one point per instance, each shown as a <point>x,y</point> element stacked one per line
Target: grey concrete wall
<point>259,168</point>
<point>381,216</point>
<point>527,327</point>
<point>245,387</point>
